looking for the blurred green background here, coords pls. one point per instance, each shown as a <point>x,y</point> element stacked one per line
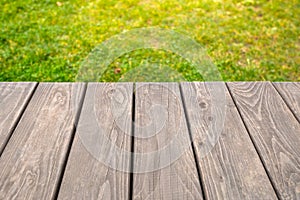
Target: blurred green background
<point>247,40</point>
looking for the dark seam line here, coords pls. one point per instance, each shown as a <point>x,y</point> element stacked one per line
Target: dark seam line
<point>286,103</point>
<point>132,145</point>
<point>200,176</point>
<point>253,142</point>
<point>17,121</point>
<point>64,165</point>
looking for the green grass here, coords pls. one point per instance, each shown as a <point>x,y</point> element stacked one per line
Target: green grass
<point>247,40</point>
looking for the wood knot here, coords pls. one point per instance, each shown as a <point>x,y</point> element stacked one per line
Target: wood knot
<point>202,105</point>
<point>210,118</point>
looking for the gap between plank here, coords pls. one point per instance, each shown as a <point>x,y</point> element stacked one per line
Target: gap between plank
<point>286,103</point>
<point>18,119</point>
<point>200,177</point>
<point>252,140</point>
<point>132,145</point>
<point>73,131</point>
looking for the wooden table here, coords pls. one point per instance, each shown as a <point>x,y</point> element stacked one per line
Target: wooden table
<point>46,130</point>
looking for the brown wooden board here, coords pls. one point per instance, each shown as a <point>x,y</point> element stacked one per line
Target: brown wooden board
<point>13,100</point>
<point>94,169</point>
<point>32,162</point>
<point>229,164</point>
<point>274,131</point>
<point>290,92</point>
<point>164,164</point>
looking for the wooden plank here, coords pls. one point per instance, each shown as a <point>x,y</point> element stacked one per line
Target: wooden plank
<point>31,164</point>
<point>94,169</point>
<point>13,100</point>
<point>290,92</point>
<point>275,132</point>
<point>164,164</point>
<point>229,164</point>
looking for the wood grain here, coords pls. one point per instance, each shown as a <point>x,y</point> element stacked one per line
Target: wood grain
<point>231,169</point>
<point>290,91</point>
<point>275,132</point>
<point>94,169</point>
<point>31,164</point>
<point>13,100</point>
<point>164,163</point>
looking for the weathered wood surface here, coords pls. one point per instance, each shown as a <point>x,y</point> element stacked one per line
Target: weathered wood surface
<point>160,122</point>
<point>105,122</point>
<point>255,157</point>
<point>290,92</point>
<point>13,100</point>
<point>232,169</point>
<point>31,163</point>
<point>274,131</point>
